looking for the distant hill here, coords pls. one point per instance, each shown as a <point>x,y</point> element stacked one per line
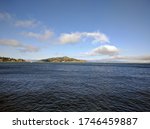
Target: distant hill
<point>62,59</point>
<point>8,59</point>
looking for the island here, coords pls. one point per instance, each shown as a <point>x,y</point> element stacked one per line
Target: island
<point>62,59</point>
<point>8,59</point>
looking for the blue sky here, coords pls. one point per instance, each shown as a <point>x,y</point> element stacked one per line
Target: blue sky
<point>106,30</point>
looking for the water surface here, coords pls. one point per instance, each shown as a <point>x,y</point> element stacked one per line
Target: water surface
<point>74,87</point>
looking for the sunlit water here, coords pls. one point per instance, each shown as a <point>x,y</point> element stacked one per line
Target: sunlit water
<point>74,87</point>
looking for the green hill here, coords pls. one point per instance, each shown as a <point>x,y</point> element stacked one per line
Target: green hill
<point>62,59</point>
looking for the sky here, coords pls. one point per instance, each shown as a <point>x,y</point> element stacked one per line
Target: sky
<point>99,30</point>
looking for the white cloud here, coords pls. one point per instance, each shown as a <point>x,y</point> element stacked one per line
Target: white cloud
<point>104,50</point>
<point>10,42</point>
<point>42,37</point>
<point>20,46</point>
<point>67,38</point>
<point>26,23</point>
<point>96,36</point>
<point>70,38</point>
<point>5,16</point>
<point>29,48</point>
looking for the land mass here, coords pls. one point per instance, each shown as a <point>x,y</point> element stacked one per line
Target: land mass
<point>7,59</point>
<point>53,60</point>
<point>62,59</point>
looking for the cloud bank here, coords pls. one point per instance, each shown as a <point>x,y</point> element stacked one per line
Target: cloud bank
<point>133,59</point>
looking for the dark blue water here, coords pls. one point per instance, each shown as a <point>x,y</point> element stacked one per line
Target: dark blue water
<point>74,87</point>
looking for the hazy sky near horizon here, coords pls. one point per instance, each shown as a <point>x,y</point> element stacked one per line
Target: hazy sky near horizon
<point>108,30</point>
